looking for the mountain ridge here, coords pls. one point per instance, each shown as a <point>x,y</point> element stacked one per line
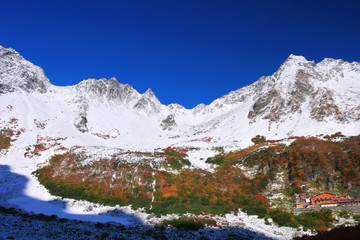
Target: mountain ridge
<point>294,59</point>
<point>275,106</point>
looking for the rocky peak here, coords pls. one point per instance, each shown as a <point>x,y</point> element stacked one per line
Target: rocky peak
<point>199,108</point>
<point>331,61</point>
<point>7,51</point>
<point>110,89</point>
<point>148,102</point>
<point>150,96</point>
<point>331,66</point>
<point>17,73</point>
<point>291,65</point>
<point>283,94</point>
<point>296,59</point>
<point>175,106</point>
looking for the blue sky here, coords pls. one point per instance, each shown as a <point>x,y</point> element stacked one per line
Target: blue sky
<point>186,51</point>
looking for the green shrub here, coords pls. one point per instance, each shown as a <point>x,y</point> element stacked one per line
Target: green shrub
<point>139,201</point>
<point>316,219</point>
<point>175,159</point>
<point>260,211</point>
<point>357,218</point>
<point>258,139</point>
<point>175,164</point>
<point>283,218</point>
<point>218,159</point>
<point>186,162</point>
<point>344,214</point>
<point>185,223</point>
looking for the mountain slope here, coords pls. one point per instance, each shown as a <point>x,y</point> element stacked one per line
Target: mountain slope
<point>301,98</point>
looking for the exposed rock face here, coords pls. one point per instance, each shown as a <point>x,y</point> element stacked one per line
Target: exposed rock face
<point>264,106</point>
<point>168,122</point>
<point>81,125</point>
<point>16,72</point>
<point>148,102</point>
<point>323,106</point>
<point>110,90</point>
<point>300,84</point>
<point>80,112</point>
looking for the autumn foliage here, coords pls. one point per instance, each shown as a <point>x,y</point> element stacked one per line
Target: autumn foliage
<point>141,184</point>
<point>307,160</point>
<point>5,138</point>
<point>145,184</point>
<point>176,158</point>
<point>4,142</point>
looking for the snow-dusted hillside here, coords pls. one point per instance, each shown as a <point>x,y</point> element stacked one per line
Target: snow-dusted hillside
<point>301,98</point>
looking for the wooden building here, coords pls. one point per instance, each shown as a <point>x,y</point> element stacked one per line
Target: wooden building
<point>328,199</point>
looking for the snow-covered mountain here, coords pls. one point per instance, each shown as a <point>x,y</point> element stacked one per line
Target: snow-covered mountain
<point>106,118</point>
<point>301,98</point>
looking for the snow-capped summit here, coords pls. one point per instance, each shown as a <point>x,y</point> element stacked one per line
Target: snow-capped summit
<point>110,90</point>
<point>149,94</point>
<point>149,103</point>
<point>296,58</point>
<point>17,73</point>
<point>300,86</point>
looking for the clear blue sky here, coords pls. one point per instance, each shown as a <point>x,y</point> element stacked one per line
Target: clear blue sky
<point>186,51</point>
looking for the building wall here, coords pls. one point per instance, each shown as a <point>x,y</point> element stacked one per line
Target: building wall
<point>324,198</point>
